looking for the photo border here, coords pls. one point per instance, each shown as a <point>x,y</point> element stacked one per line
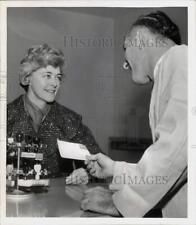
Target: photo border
<point>191,111</point>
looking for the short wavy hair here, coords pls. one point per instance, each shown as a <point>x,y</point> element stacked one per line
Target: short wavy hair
<point>159,23</point>
<point>37,57</point>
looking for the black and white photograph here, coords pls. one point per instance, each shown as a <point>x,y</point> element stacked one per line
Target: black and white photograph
<point>96,112</point>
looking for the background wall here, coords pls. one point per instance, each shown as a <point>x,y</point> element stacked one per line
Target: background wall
<point>95,86</point>
<point>87,63</point>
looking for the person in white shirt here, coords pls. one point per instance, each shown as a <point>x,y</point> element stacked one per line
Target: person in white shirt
<point>154,53</point>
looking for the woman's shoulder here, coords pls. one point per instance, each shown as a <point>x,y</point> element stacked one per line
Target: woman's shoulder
<point>66,119</point>
<point>66,112</point>
<point>16,104</point>
<point>15,109</point>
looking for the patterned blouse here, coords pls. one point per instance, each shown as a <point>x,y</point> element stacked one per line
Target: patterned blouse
<point>59,123</point>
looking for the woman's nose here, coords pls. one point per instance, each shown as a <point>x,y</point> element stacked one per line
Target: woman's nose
<point>54,82</point>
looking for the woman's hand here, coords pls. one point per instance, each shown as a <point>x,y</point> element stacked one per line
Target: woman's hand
<point>78,176</point>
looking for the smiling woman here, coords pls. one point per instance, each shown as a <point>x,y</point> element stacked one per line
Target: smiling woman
<point>37,114</point>
<point>43,85</point>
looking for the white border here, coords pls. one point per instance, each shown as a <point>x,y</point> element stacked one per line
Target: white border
<point>99,3</point>
<point>192,114</point>
<point>3,103</point>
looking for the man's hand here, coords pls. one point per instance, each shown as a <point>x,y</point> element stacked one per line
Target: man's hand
<point>100,165</point>
<point>99,199</point>
<point>78,176</point>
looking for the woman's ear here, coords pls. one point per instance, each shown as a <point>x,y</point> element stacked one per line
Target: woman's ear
<point>27,79</point>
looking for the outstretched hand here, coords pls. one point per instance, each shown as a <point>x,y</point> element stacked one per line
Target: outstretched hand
<point>78,176</point>
<point>100,165</point>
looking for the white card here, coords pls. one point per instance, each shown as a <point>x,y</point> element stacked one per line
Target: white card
<point>70,150</point>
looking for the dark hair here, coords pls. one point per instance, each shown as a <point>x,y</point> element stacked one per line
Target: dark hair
<point>37,57</point>
<point>159,23</point>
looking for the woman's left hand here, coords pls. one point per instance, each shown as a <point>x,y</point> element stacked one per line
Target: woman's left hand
<point>78,176</point>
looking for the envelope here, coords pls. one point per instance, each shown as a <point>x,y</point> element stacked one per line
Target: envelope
<point>71,150</point>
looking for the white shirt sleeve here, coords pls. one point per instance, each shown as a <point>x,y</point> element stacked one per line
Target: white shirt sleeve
<point>139,187</point>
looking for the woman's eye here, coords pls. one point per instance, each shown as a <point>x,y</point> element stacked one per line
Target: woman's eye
<point>48,76</point>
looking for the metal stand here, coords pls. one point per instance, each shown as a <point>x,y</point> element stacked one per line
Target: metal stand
<point>18,194</point>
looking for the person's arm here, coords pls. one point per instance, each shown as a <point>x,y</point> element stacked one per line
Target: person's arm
<point>139,187</point>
